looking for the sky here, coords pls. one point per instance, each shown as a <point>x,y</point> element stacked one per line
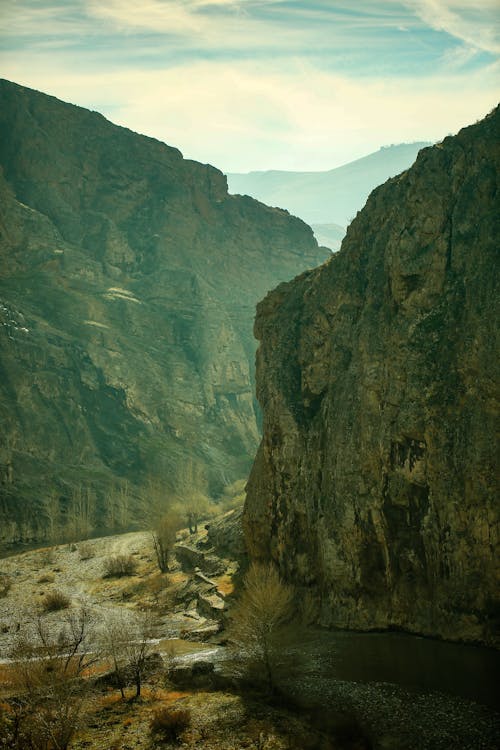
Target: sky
<point>263,84</point>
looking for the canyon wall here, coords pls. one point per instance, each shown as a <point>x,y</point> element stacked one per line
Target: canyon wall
<point>375,485</point>
<point>128,283</point>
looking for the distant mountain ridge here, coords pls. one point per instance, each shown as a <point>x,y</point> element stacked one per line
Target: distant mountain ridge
<point>330,197</point>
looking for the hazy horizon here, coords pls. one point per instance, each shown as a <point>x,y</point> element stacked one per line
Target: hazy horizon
<point>254,85</point>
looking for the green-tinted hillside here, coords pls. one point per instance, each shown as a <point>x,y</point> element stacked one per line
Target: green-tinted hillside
<point>128,282</point>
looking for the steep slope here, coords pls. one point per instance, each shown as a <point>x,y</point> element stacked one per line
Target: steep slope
<point>331,197</point>
<point>128,280</point>
<point>374,487</point>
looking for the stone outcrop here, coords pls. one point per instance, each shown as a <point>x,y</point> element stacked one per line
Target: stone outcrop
<point>374,488</point>
<point>128,283</point>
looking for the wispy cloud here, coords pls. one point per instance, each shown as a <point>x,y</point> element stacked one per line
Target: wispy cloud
<point>475,22</point>
<point>295,118</point>
<point>303,84</point>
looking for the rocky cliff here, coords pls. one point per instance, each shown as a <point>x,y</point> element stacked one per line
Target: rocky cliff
<point>374,487</point>
<point>128,283</point>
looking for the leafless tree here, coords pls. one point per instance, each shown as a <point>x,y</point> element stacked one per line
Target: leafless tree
<point>80,513</point>
<point>52,512</point>
<point>51,691</point>
<point>264,607</point>
<point>118,514</point>
<point>164,535</point>
<point>196,507</point>
<point>126,640</point>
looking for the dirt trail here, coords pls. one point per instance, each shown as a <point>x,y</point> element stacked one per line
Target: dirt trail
<point>36,573</point>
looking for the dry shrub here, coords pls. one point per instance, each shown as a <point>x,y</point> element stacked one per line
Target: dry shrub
<point>55,601</point>
<point>86,551</point>
<point>170,722</point>
<point>119,566</point>
<point>111,700</point>
<point>7,726</point>
<point>5,584</point>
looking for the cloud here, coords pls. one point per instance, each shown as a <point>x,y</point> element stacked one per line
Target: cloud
<point>475,22</point>
<point>262,83</point>
<point>298,117</point>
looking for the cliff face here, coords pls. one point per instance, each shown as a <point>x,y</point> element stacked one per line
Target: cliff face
<point>374,486</point>
<point>128,280</point>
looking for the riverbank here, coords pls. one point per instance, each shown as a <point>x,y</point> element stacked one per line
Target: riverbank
<point>398,692</point>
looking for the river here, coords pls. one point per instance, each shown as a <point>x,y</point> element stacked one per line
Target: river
<point>409,693</point>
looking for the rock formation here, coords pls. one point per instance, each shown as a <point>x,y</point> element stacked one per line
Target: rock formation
<point>128,283</point>
<point>374,488</point>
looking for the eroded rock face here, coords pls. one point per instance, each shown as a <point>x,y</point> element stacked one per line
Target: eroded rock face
<point>128,281</point>
<point>374,487</point>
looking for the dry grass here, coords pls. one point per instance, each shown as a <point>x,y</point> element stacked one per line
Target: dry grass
<point>46,578</point>
<point>8,677</point>
<point>5,585</point>
<point>119,566</point>
<point>110,700</point>
<point>54,601</point>
<point>225,585</point>
<point>169,723</point>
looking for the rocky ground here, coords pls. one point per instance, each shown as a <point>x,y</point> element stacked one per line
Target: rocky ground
<point>189,673</point>
<point>187,602</point>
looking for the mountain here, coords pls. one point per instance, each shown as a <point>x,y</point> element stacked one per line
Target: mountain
<point>128,280</point>
<point>327,198</point>
<point>375,487</point>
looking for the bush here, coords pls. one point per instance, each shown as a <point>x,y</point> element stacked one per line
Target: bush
<point>55,601</point>
<point>258,620</point>
<point>5,584</point>
<point>86,551</point>
<point>170,722</point>
<point>119,566</point>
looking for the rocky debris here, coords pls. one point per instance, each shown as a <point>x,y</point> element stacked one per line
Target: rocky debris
<point>225,535</point>
<point>211,606</point>
<point>199,598</point>
<point>128,283</point>
<point>205,632</point>
<point>202,577</point>
<point>396,718</point>
<point>375,487</point>
<point>192,559</point>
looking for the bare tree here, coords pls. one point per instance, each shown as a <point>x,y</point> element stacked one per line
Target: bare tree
<point>164,535</point>
<point>259,617</point>
<point>49,680</point>
<point>196,506</point>
<point>233,495</point>
<point>127,642</point>
<point>192,498</point>
<point>118,513</point>
<point>157,499</point>
<point>81,513</point>
<point>138,650</point>
<point>52,512</point>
